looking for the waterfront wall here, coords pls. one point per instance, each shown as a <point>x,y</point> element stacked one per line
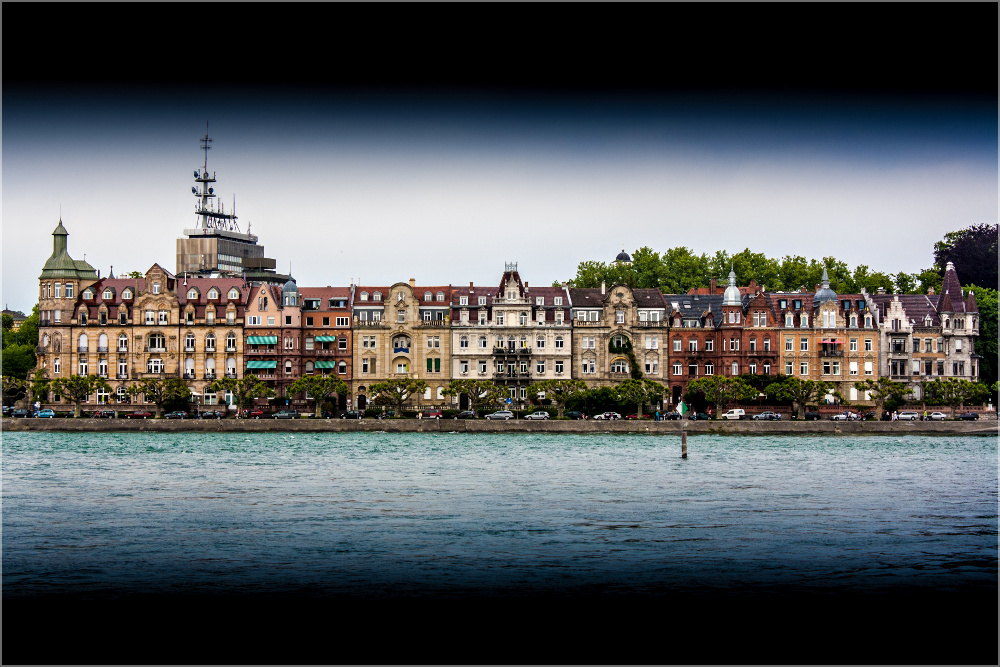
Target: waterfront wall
<point>666,428</point>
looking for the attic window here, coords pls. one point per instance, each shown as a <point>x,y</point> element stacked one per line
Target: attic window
<point>156,288</point>
<point>192,293</point>
<point>108,294</point>
<point>440,296</point>
<point>87,294</point>
<point>234,294</point>
<point>213,293</point>
<point>364,296</point>
<point>127,294</point>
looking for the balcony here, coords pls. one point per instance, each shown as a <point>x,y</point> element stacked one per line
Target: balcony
<point>231,374</point>
<point>512,351</point>
<point>121,376</point>
<point>581,323</point>
<point>188,375</point>
<point>649,325</point>
<point>434,324</point>
<point>83,349</point>
<point>508,377</point>
<point>39,350</point>
<point>160,350</point>
<point>369,324</point>
<point>209,376</point>
<point>102,348</point>
<point>400,350</point>
<point>122,350</point>
<point>252,349</point>
<point>831,353</point>
<point>760,353</point>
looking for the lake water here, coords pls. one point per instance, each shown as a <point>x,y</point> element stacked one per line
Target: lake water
<point>374,514</point>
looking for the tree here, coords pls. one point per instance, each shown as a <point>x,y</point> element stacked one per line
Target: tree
<point>13,389</point>
<point>8,324</point>
<point>395,392</point>
<point>639,393</point>
<point>320,388</point>
<point>160,392</point>
<point>986,342</point>
<point>800,392</point>
<point>721,390</point>
<point>558,391</point>
<point>78,387</point>
<point>39,384</point>
<point>882,390</point>
<point>17,360</point>
<point>973,251</point>
<point>245,390</point>
<point>480,393</point>
<point>955,392</point>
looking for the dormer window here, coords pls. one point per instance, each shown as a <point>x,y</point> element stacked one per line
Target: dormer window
<point>377,296</point>
<point>88,293</point>
<point>156,288</point>
<point>234,294</point>
<point>440,296</point>
<point>463,301</point>
<point>427,296</point>
<point>108,295</point>
<point>213,293</point>
<point>482,301</point>
<point>127,294</point>
<point>399,297</point>
<point>788,319</point>
<point>192,294</point>
<point>364,296</point>
<point>557,300</point>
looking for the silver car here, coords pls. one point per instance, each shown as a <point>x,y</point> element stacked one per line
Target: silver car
<point>501,414</point>
<point>541,414</point>
<point>908,416</point>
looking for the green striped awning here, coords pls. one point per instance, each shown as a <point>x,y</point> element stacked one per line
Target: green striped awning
<point>261,364</point>
<point>326,339</point>
<point>262,340</point>
<point>326,364</point>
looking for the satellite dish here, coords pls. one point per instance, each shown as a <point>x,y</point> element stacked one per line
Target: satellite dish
<point>193,190</point>
<point>211,190</point>
<point>196,173</point>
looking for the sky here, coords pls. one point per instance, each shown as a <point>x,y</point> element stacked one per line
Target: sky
<point>446,186</point>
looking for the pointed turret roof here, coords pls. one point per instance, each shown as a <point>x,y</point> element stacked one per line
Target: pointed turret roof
<point>824,293</point>
<point>732,296</point>
<point>60,264</point>
<point>970,303</point>
<point>952,299</point>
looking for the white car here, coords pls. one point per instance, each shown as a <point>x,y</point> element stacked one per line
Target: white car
<point>541,414</point>
<point>501,414</point>
<point>608,416</point>
<point>908,416</point>
<point>937,416</point>
<point>735,413</point>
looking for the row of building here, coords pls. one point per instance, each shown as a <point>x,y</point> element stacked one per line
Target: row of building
<point>200,328</point>
<point>226,312</point>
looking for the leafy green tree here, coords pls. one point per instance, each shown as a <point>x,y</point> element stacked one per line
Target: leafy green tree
<point>904,283</point>
<point>792,273</point>
<point>881,391</point>
<point>929,278</point>
<point>680,270</point>
<point>161,392</point>
<point>755,266</point>
<point>320,387</point>
<point>955,392</point>
<point>720,390</point>
<point>973,250</point>
<point>39,384</point>
<point>598,399</point>
<point>396,392</point>
<point>558,391</point>
<point>18,360</point>
<point>639,393</point>
<point>78,387</point>
<point>480,393</point>
<point>799,392</point>
<point>8,325</point>
<point>986,342</point>
<point>27,334</point>
<point>244,390</point>
<point>13,389</point>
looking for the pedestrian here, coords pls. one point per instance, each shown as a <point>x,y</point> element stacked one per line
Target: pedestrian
<point>925,416</point>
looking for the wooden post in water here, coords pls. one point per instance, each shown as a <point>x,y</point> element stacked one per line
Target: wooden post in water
<point>684,440</point>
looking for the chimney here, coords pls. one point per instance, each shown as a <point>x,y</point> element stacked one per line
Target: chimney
<point>930,291</point>
<point>525,284</point>
<point>470,283</point>
<point>603,288</point>
<point>711,286</point>
<point>413,282</point>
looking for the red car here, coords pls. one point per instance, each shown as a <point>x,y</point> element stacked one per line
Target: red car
<point>253,414</point>
<point>138,414</point>
<point>638,417</point>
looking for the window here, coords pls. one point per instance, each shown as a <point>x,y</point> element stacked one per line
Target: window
<point>253,320</point>
<point>122,343</point>
<point>803,368</point>
<point>709,345</point>
<point>59,292</point>
<point>499,318</point>
<point>439,296</point>
<point>427,296</point>
<point>540,342</point>
<point>122,318</point>
<point>189,343</point>
<point>540,367</point>
<point>767,344</point>
<point>377,296</point>
<point>804,344</point>
<point>868,368</point>
<point>55,365</point>
<point>557,301</point>
<point>154,366</point>
<point>619,366</point>
<point>676,368</point>
<point>342,368</point>
<point>342,343</point>
<point>620,317</point>
<point>231,342</point>
<point>399,297</point>
<point>734,344</point>
<point>463,341</point>
<point>156,288</point>
<point>482,342</point>
<point>482,368</point>
<point>163,317</point>
<point>826,368</point>
<point>836,368</point>
<point>401,367</point>
<point>868,345</point>
<point>677,345</point>
<point>400,315</point>
<point>652,366</point>
<point>150,317</point>
<point>559,367</point>
<point>753,344</point>
<point>788,320</point>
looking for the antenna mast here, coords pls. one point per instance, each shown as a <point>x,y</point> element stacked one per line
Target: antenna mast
<point>205,209</point>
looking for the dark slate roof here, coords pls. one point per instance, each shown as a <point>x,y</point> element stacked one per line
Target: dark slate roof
<point>587,297</point>
<point>916,306</point>
<point>700,306</point>
<point>952,299</point>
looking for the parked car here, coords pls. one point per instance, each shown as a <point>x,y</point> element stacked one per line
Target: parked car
<point>969,416</point>
<point>138,414</point>
<point>908,415</point>
<point>45,413</point>
<point>255,413</point>
<point>351,414</point>
<point>701,416</point>
<point>841,417</point>
<point>20,412</point>
<point>670,416</point>
<point>466,414</point>
<point>869,415</point>
<point>735,413</point>
<point>7,410</point>
<point>100,414</point>
<point>609,416</point>
<point>636,416</point>
<point>811,416</point>
<point>176,414</point>
<point>937,416</point>
<point>434,413</point>
<point>286,414</point>
<point>501,414</point>
<point>540,414</point>
<point>767,416</point>
<point>573,414</point>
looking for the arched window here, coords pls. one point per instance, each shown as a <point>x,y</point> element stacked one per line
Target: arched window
<point>189,343</point>
<point>440,296</point>
<point>108,294</point>
<point>213,293</point>
<point>83,316</point>
<point>805,320</point>
<point>619,366</point>
<point>309,368</point>
<point>192,294</point>
<point>210,342</point>
<point>230,342</point>
<point>788,320</point>
<point>209,368</point>
<point>736,368</point>
<point>463,341</point>
<point>234,294</point>
<point>523,319</point>
<point>378,296</point>
<point>127,294</point>
<point>364,296</point>
<point>427,296</point>
<point>288,367</point>
<point>88,294</point>
<point>122,343</point>
<point>482,342</point>
<point>83,343</point>
<point>231,366</point>
<point>102,343</point>
<point>342,368</point>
